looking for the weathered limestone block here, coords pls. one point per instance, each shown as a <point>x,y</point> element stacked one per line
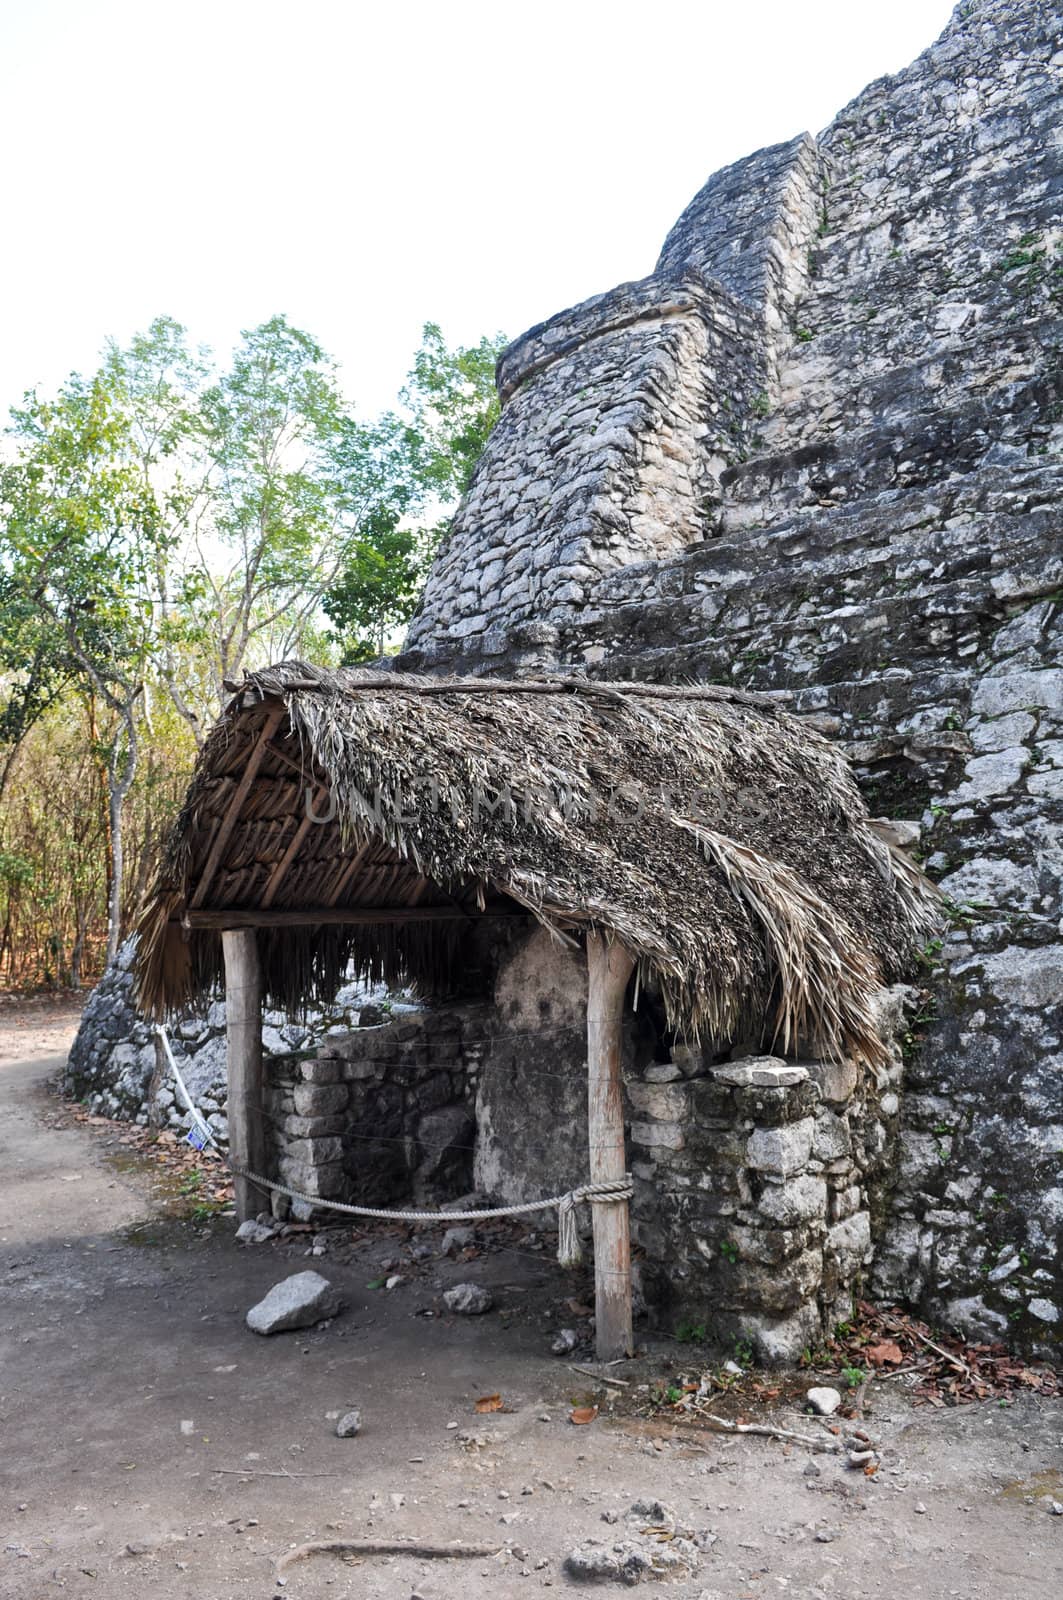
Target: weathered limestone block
<point>781,1341</point>
<point>314,1152</point>
<point>296,1127</point>
<point>836,1080</point>
<point>832,1138</point>
<point>660,1102</point>
<point>320,1100</point>
<point>663,1135</point>
<point>849,1243</point>
<point>767,1072</point>
<point>779,1289</point>
<point>791,1203</point>
<point>769,1247</point>
<point>323,1182</point>
<point>322,1071</point>
<point>784,1151</point>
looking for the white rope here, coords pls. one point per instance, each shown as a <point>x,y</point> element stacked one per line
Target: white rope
<point>610,1191</point>
<point>569,1250</point>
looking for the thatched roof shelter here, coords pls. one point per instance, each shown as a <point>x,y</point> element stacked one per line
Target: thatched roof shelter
<point>719,840</point>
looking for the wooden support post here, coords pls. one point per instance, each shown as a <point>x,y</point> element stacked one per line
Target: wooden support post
<point>243,1065</point>
<point>609,966</point>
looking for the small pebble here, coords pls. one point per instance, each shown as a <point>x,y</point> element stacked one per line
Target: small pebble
<point>349,1424</point>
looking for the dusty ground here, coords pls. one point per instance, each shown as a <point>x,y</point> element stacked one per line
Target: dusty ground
<point>153,1446</point>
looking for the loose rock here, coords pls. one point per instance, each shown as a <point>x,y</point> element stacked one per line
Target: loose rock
<point>468,1300</point>
<point>565,1342</point>
<point>295,1302</point>
<point>824,1402</point>
<point>252,1232</point>
<point>455,1240</point>
<point>349,1424</point>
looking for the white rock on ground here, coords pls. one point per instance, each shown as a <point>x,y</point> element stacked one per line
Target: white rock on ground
<point>295,1302</point>
<point>456,1239</point>
<point>468,1300</point>
<point>252,1232</point>
<point>824,1402</point>
<point>349,1424</point>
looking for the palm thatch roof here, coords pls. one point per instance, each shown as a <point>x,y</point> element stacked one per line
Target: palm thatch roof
<point>721,841</point>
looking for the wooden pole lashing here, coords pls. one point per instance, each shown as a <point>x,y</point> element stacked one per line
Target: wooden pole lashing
<point>609,967</point>
<point>243,1065</point>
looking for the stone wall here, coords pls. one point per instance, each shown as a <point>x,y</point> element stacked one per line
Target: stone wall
<point>757,1181</point>
<point>759,1186</point>
<point>880,546</point>
<point>620,417</point>
<point>116,1069</point>
<point>382,1114</point>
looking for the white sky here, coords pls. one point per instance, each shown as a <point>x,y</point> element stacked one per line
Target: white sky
<point>367,168</point>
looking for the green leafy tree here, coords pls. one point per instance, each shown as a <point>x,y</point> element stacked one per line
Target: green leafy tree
<point>79,528</point>
<point>157,382</point>
<point>454,405</point>
<point>404,470</point>
<point>378,589</point>
<point>35,668</point>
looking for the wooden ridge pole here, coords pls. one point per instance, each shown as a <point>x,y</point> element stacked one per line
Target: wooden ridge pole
<point>609,966</point>
<point>243,1065</point>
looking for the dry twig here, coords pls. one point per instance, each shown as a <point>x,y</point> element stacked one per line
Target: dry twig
<point>765,1430</point>
<point>600,1377</point>
<point>381,1547</point>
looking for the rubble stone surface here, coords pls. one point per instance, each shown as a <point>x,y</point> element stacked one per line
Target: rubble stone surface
<point>819,453</point>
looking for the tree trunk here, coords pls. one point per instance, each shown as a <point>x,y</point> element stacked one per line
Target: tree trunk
<point>609,966</point>
<point>243,1064</point>
<point>120,773</point>
<point>114,896</point>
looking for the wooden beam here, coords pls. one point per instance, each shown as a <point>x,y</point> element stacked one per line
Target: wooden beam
<point>232,811</point>
<point>340,886</point>
<point>330,916</point>
<point>609,966</point>
<point>288,857</point>
<point>243,1066</point>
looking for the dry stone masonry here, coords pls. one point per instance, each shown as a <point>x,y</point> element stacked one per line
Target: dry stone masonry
<point>819,452</point>
<point>117,1070</point>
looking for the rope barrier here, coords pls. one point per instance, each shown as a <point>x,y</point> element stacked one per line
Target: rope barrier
<point>611,1191</point>
<point>569,1250</point>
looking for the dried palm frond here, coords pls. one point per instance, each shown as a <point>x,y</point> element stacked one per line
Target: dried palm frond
<point>823,974</point>
<point>721,841</point>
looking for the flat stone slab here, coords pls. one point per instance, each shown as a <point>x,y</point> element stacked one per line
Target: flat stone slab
<point>295,1302</point>
<point>761,1072</point>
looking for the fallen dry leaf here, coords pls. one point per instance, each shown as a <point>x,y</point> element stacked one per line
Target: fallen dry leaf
<point>578,1309</point>
<point>887,1353</point>
<point>581,1415</point>
<point>489,1402</point>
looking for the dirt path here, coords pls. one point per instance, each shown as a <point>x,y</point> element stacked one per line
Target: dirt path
<point>148,1437</point>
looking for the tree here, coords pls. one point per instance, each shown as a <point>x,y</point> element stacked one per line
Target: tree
<point>164,525</point>
<point>454,404</point>
<point>35,668</point>
<point>405,470</point>
<point>157,382</point>
<point>78,543</point>
<point>378,588</point>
